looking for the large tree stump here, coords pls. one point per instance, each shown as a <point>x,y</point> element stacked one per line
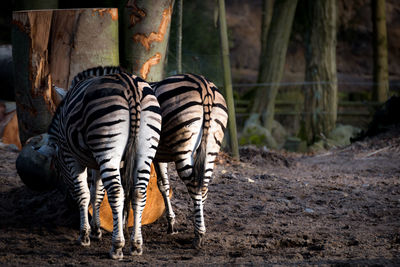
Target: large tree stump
<point>51,47</point>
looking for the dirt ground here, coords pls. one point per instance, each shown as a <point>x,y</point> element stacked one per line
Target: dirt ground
<point>340,207</point>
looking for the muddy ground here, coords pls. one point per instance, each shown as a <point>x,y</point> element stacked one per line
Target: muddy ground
<point>339,207</point>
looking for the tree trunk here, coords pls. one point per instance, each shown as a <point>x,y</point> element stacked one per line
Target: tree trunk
<point>179,37</point>
<point>321,95</point>
<point>228,80</point>
<point>272,63</point>
<point>267,8</point>
<point>381,82</point>
<point>145,33</point>
<point>49,48</point>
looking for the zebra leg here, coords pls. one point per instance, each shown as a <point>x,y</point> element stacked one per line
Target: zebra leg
<point>185,171</point>
<point>163,185</point>
<point>138,203</point>
<point>80,192</point>
<point>147,143</point>
<point>111,179</point>
<point>96,197</point>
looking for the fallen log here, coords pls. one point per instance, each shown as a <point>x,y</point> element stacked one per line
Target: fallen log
<point>152,211</point>
<point>9,124</point>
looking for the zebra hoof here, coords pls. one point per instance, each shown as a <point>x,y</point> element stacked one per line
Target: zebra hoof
<point>84,240</point>
<point>198,241</point>
<point>136,249</point>
<point>136,252</point>
<point>116,253</point>
<point>96,234</point>
<point>171,228</point>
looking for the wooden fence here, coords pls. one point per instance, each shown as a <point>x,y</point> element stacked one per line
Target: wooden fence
<point>289,110</point>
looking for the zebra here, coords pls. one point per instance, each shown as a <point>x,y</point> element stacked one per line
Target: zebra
<point>108,116</point>
<point>194,118</point>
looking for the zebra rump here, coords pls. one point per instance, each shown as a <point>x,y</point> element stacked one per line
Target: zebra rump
<point>108,116</point>
<point>194,117</point>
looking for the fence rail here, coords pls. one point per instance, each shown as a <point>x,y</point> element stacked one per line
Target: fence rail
<point>354,106</point>
<point>283,107</point>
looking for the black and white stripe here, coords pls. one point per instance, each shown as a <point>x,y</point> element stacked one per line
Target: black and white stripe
<point>194,117</point>
<point>105,119</point>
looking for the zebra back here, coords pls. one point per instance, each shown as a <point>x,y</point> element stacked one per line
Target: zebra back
<point>180,93</point>
<point>94,72</point>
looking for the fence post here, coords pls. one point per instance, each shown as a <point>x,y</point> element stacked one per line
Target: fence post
<point>228,80</point>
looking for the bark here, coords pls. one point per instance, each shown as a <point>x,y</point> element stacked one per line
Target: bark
<point>272,63</point>
<point>228,80</point>
<point>321,95</point>
<point>381,82</point>
<point>179,37</point>
<point>267,8</point>
<point>49,48</point>
<point>146,25</point>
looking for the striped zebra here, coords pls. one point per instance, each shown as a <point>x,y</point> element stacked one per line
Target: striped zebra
<point>108,116</point>
<point>194,117</point>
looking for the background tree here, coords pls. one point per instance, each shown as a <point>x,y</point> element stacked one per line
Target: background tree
<point>273,59</point>
<point>267,8</point>
<point>381,82</point>
<point>228,80</point>
<point>145,34</point>
<point>320,103</point>
<point>200,47</point>
<point>179,16</point>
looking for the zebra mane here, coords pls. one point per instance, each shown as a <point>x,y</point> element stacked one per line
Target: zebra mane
<point>95,72</point>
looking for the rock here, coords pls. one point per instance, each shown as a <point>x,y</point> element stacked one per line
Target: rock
<point>308,210</point>
<point>295,144</point>
<point>255,134</point>
<point>318,146</point>
<point>385,117</point>
<point>342,134</point>
<point>279,133</point>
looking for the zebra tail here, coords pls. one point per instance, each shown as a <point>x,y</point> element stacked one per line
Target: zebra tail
<point>199,165</point>
<point>128,176</point>
<point>201,153</point>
